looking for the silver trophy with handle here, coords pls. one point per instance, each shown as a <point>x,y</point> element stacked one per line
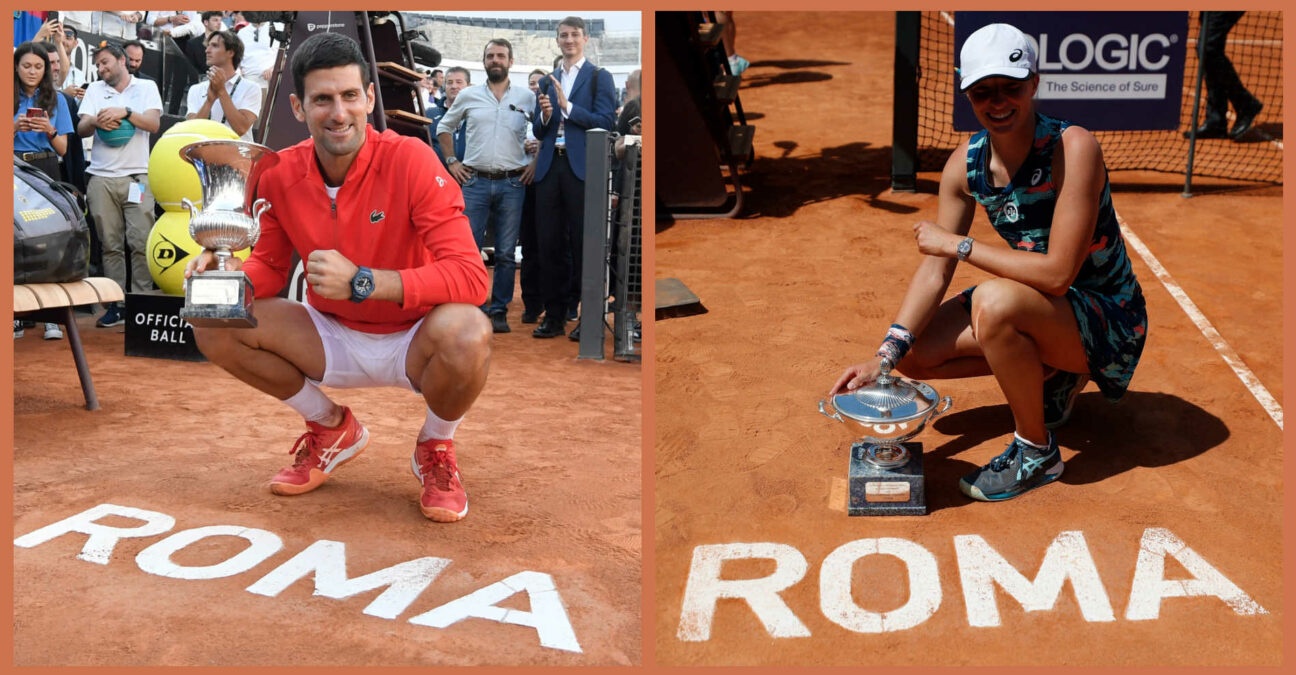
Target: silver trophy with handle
<point>228,221</point>
<point>886,474</point>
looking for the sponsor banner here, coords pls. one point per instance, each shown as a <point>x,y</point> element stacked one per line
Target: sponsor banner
<point>1105,71</point>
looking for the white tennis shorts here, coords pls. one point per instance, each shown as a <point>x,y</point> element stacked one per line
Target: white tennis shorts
<point>353,359</point>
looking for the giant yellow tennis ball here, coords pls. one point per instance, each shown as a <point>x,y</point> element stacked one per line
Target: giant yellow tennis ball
<point>170,248</point>
<point>171,178</point>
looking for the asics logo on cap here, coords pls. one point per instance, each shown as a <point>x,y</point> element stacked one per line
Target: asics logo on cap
<point>1015,56</point>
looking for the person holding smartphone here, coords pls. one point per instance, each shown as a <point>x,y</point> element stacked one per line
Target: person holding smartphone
<point>41,124</point>
<point>48,36</point>
<point>41,117</point>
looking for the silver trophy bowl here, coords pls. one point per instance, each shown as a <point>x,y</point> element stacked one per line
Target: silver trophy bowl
<point>228,170</point>
<point>887,413</point>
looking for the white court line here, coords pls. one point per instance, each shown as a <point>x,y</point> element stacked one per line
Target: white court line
<point>1231,357</point>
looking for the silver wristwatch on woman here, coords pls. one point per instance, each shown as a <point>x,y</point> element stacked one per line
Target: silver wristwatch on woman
<point>964,248</point>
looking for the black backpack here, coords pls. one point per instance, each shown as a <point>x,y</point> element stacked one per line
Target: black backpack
<point>51,237</point>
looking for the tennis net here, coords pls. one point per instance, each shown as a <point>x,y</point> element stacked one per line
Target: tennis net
<point>1254,47</point>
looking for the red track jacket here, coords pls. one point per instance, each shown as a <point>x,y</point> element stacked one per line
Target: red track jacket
<point>398,209</point>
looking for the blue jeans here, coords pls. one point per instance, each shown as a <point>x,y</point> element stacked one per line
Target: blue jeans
<point>497,204</point>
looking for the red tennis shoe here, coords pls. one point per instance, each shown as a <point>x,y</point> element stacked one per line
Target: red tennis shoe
<point>318,452</point>
<point>444,499</point>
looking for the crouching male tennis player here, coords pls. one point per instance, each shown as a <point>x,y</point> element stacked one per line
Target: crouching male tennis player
<point>394,281</point>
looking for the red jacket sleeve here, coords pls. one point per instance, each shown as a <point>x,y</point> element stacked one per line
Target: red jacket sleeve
<point>456,273</point>
<point>270,263</point>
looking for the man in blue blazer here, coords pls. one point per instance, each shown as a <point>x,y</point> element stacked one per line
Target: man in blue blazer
<point>577,96</point>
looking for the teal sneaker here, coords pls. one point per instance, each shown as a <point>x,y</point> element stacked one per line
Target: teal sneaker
<point>737,64</point>
<point>1017,470</point>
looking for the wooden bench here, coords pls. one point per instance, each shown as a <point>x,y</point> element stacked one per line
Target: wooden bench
<point>53,303</point>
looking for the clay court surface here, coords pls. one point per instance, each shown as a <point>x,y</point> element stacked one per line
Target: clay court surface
<point>805,282</point>
<point>550,455</point>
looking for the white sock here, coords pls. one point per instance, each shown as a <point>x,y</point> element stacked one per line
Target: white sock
<point>311,403</point>
<point>435,427</point>
<point>1042,448</point>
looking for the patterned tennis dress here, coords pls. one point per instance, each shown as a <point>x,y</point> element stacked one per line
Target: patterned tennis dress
<point>1105,295</point>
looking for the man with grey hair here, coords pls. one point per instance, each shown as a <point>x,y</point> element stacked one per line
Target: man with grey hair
<point>456,80</point>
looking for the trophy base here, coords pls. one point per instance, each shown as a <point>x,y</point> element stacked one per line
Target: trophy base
<point>219,299</point>
<point>894,491</point>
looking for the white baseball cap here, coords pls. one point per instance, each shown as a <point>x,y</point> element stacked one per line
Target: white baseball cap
<point>996,50</point>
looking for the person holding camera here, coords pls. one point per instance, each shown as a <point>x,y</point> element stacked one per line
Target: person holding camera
<point>49,36</point>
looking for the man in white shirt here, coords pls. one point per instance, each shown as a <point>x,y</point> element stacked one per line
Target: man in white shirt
<point>495,168</point>
<point>225,88</point>
<point>118,192</point>
<point>179,25</point>
<point>116,24</point>
<point>259,51</point>
<point>75,79</point>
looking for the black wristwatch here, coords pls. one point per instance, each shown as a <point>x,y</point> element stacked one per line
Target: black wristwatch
<point>362,284</point>
<point>128,114</point>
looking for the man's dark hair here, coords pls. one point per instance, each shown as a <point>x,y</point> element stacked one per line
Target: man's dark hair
<point>460,69</point>
<point>208,15</point>
<point>326,50</point>
<point>573,22</point>
<point>45,95</point>
<point>500,42</point>
<point>110,47</point>
<point>133,43</point>
<point>232,43</point>
<point>436,70</point>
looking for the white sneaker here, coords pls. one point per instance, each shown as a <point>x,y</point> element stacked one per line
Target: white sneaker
<point>53,332</point>
<point>18,329</point>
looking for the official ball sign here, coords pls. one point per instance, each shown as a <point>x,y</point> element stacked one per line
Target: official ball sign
<point>155,329</point>
<point>1105,71</point>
